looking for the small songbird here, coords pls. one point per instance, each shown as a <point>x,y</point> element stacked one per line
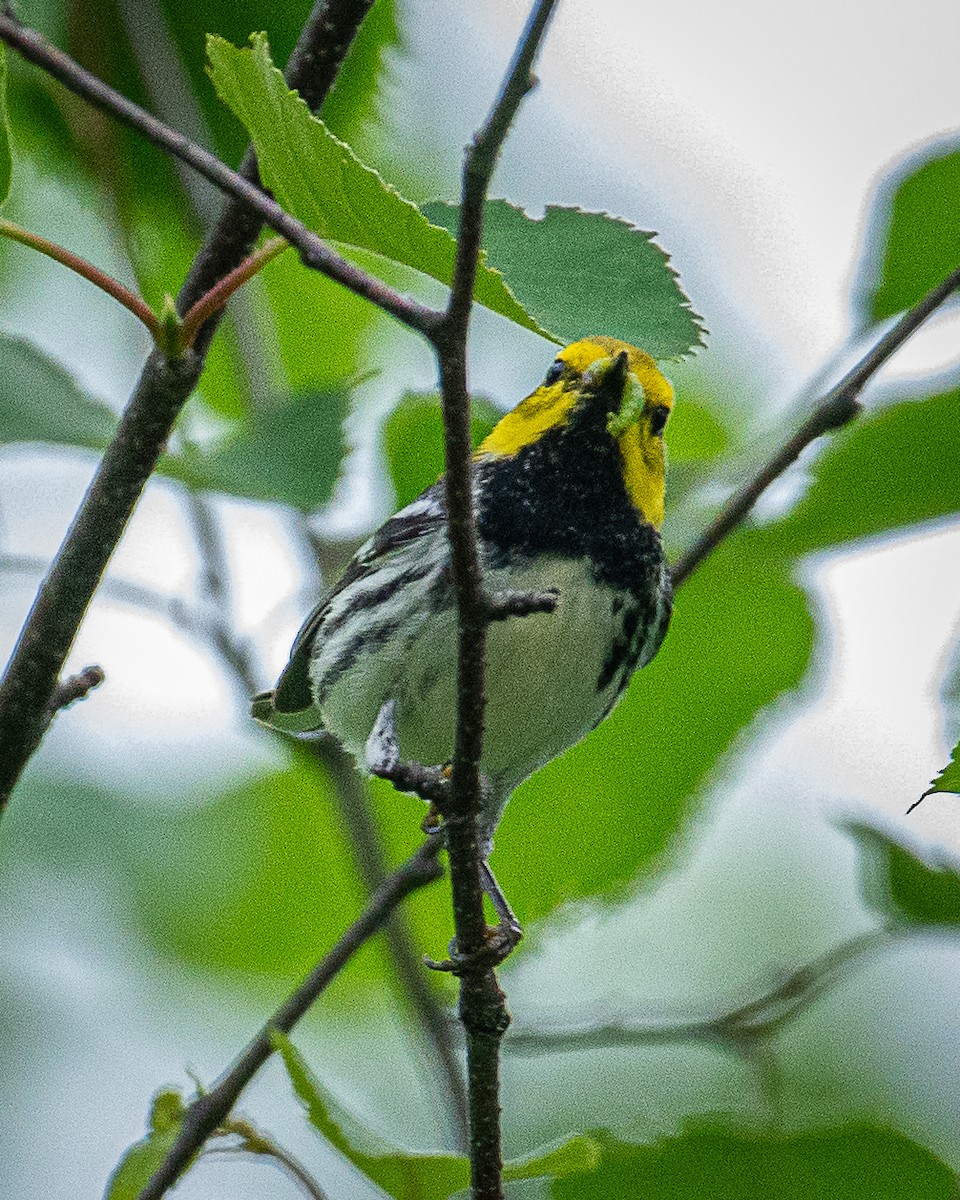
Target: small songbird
<point>569,491</point>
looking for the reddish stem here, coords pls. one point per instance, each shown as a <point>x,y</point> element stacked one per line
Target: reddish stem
<point>106,283</point>
<point>214,300</point>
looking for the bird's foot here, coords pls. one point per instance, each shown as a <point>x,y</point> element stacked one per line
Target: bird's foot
<point>382,753</point>
<point>500,941</point>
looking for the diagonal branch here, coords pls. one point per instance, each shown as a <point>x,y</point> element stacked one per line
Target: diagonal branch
<point>313,251</point>
<point>37,661</point>
<point>211,1108</point>
<point>837,408</point>
<point>482,1004</point>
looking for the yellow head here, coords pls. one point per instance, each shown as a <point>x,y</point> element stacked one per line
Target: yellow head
<point>638,400</point>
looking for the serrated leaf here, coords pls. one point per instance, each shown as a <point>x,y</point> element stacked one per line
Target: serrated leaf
<point>949,778</point>
<point>413,440</point>
<point>580,273</point>
<point>41,402</point>
<point>922,235</point>
<point>857,1162</point>
<point>288,454</point>
<point>902,886</point>
<point>318,179</point>
<point>6,158</point>
<point>406,1175</point>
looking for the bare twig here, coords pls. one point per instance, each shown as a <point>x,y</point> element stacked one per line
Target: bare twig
<point>482,1004</point>
<point>736,1029</point>
<point>837,408</point>
<point>106,283</point>
<point>371,862</point>
<point>362,832</point>
<point>314,252</point>
<point>209,1110</point>
<point>76,687</point>
<point>161,392</point>
<point>252,1141</point>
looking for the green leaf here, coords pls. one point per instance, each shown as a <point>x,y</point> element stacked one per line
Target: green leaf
<point>889,469</point>
<point>318,179</point>
<point>856,1162</point>
<point>41,402</point>
<point>902,886</point>
<point>413,440</point>
<point>406,1175</point>
<point>580,273</point>
<point>921,245</point>
<point>284,884</point>
<point>289,454</point>
<point>6,159</point>
<point>572,1156</point>
<point>136,1167</point>
<point>949,778</point>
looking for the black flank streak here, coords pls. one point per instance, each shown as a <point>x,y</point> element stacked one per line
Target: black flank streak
<point>362,644</point>
<point>368,600</point>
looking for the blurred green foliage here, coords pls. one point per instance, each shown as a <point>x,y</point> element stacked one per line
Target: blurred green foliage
<point>852,1164</point>
<point>905,888</point>
<point>407,1176</point>
<point>413,440</point>
<point>920,243</point>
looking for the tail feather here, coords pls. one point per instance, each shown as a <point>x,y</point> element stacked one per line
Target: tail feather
<point>263,709</point>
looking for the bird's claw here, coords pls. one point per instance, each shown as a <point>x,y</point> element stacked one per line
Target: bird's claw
<point>501,940</point>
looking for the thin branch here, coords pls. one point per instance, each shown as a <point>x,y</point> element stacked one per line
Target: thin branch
<point>106,283</point>
<point>161,392</point>
<point>76,687</point>
<point>482,1005</point>
<point>837,408</point>
<point>211,1109</point>
<point>362,832</point>
<point>254,1142</point>
<point>220,293</point>
<point>314,252</point>
<point>415,983</point>
<point>737,1029</point>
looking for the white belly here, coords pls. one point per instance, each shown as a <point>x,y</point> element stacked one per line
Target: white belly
<point>542,675</point>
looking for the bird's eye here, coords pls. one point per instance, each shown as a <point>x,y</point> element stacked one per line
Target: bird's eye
<point>556,371</point>
<point>658,420</point>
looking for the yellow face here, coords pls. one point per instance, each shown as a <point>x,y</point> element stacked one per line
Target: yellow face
<point>638,426</point>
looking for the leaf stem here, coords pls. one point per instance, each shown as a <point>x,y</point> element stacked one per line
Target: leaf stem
<point>314,252</point>
<point>214,300</point>
<point>52,624</point>
<point>106,283</point>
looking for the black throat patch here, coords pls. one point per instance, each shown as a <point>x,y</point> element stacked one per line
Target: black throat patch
<point>565,495</point>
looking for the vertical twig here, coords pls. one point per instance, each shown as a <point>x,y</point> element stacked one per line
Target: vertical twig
<point>482,1004</point>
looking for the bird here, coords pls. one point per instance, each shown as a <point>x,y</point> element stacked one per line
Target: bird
<point>569,499</point>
